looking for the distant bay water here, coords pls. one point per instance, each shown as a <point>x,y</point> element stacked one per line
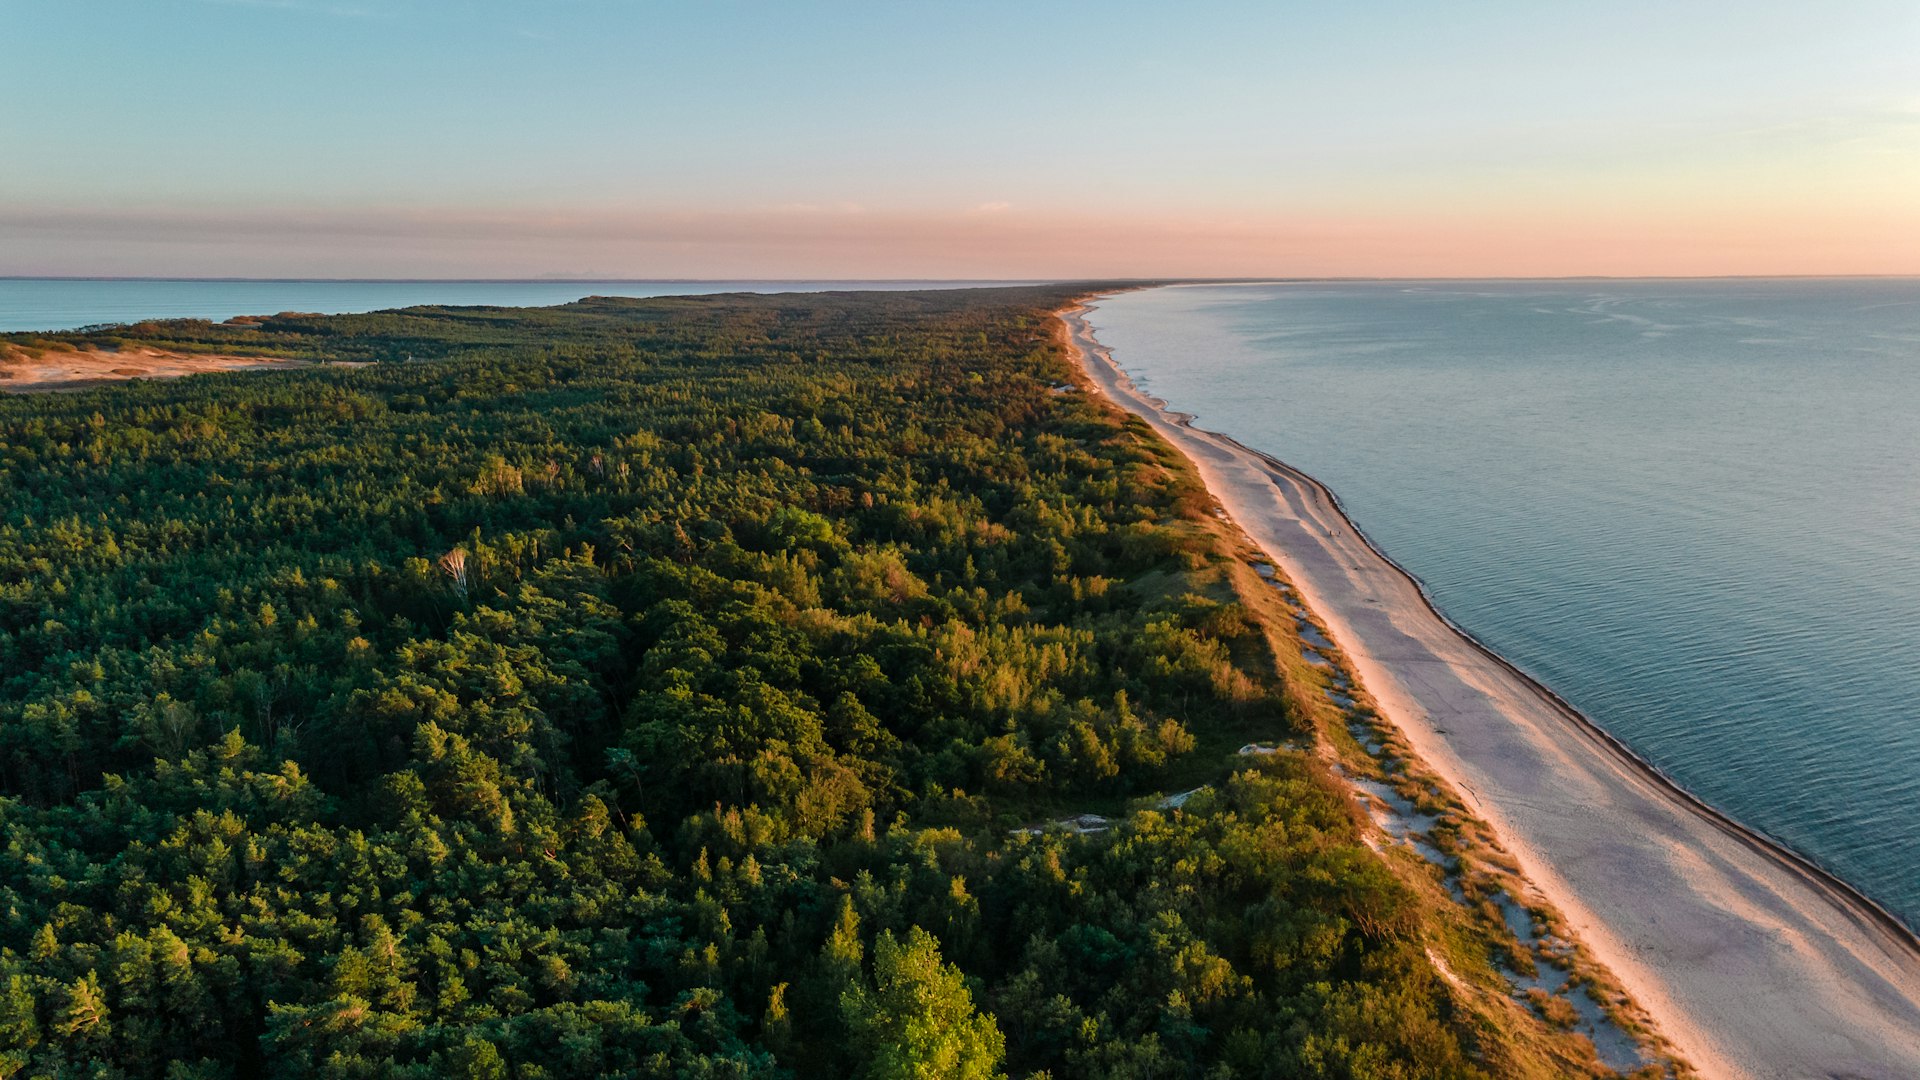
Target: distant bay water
<point>1691,507</point>
<point>67,303</point>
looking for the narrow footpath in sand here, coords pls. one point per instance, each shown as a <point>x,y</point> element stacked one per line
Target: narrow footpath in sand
<point>1754,962</point>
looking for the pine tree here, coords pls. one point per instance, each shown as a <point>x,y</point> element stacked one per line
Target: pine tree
<point>918,1020</point>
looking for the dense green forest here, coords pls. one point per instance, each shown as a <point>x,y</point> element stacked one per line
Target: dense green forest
<point>660,688</point>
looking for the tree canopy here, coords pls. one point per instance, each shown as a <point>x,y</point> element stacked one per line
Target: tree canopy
<point>658,688</point>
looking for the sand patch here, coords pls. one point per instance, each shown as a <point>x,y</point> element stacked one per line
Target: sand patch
<point>25,371</point>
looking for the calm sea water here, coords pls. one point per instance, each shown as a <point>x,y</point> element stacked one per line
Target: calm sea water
<point>66,303</point>
<point>1693,508</point>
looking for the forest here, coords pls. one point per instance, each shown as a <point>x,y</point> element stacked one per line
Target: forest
<point>672,688</point>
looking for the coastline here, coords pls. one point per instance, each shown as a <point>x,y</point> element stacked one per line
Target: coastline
<point>1754,960</point>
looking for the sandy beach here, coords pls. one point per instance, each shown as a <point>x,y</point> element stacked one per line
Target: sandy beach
<point>1754,962</point>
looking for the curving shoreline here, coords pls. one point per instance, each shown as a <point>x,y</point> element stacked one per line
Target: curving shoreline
<point>1844,893</point>
<point>1755,960</point>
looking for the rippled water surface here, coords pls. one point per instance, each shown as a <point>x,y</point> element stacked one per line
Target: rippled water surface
<point>1693,508</point>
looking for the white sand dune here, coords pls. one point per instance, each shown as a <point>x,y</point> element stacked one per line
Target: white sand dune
<point>1754,962</point>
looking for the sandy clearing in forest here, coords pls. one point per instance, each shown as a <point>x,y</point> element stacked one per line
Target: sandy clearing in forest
<point>63,369</point>
<point>1754,962</point>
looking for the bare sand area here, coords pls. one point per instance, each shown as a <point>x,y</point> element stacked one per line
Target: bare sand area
<point>1754,962</point>
<point>23,372</point>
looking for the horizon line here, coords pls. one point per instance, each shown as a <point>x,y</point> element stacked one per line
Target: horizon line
<point>1173,280</point>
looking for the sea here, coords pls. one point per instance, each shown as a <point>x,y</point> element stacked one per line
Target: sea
<point>28,304</point>
<point>1691,507</point>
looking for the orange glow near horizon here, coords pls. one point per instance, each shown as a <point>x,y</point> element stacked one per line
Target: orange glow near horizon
<point>1004,243</point>
<point>804,141</point>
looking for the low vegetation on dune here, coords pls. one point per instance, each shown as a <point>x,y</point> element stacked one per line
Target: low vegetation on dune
<point>672,687</point>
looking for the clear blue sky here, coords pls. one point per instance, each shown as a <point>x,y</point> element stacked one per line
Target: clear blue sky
<point>352,137</point>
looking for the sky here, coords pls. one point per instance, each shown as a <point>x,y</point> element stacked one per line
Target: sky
<point>797,139</point>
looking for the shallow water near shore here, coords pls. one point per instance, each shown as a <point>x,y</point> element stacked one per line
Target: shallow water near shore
<point>1691,507</point>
